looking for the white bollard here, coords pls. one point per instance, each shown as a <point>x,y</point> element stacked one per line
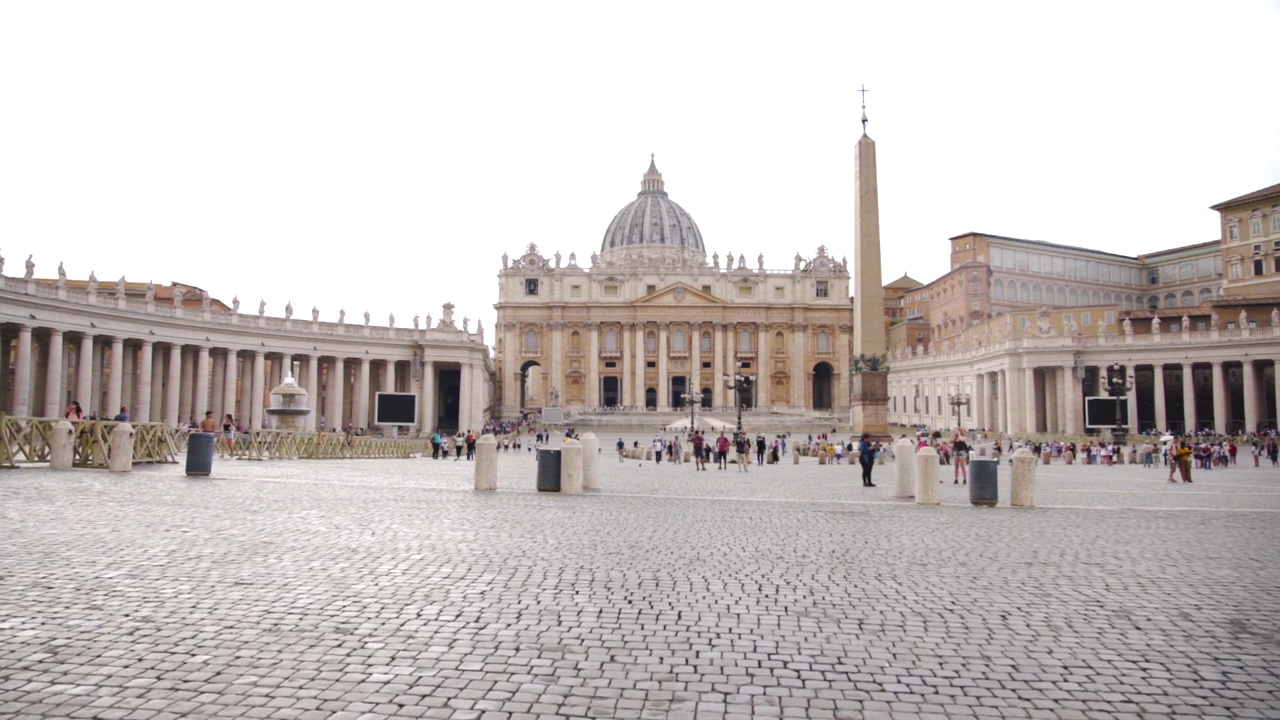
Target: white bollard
<point>590,462</point>
<point>121,453</point>
<point>1023,493</point>
<point>795,456</point>
<point>904,453</point>
<point>571,468</point>
<point>926,476</point>
<point>62,446</point>
<point>487,463</point>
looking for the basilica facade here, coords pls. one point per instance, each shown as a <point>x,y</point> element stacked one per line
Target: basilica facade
<point>650,322</point>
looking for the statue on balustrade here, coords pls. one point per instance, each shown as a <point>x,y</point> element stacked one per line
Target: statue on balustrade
<point>1128,327</point>
<point>416,321</point>
<point>391,320</point>
<point>366,317</point>
<point>1186,324</point>
<point>1155,326</point>
<point>760,261</point>
<point>93,282</point>
<point>120,287</point>
<point>1244,319</point>
<point>262,308</point>
<point>62,275</point>
<point>315,314</point>
<point>205,300</point>
<point>31,267</point>
<point>1213,320</point>
<point>151,292</point>
<point>1275,317</point>
<point>235,304</point>
<point>342,316</point>
<point>177,297</point>
<point>288,310</point>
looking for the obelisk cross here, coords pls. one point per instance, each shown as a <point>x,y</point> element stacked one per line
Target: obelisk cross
<point>864,92</point>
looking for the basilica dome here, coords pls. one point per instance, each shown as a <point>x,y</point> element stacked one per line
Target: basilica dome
<point>652,220</point>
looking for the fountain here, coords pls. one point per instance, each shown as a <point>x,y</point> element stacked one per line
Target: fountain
<point>288,405</point>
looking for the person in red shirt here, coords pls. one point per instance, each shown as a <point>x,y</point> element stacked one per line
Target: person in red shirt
<point>722,451</point>
<point>699,454</point>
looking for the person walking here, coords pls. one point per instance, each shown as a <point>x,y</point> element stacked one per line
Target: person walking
<point>658,447</point>
<point>760,448</point>
<point>743,449</point>
<point>867,458</point>
<point>622,449</point>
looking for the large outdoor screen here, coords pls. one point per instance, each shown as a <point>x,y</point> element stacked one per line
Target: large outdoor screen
<point>395,409</point>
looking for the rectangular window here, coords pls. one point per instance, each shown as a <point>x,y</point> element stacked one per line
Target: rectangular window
<point>610,364</point>
<point>746,291</point>
<point>779,293</point>
<point>706,289</point>
<point>1233,232</point>
<point>1275,223</point>
<point>1059,266</point>
<point>651,364</point>
<point>1086,319</point>
<point>575,291</point>
<point>1035,262</point>
<point>1257,267</point>
<point>1257,248</point>
<point>1115,273</point>
<point>1255,227</point>
<point>611,291</point>
<point>1186,271</point>
<point>1276,266</point>
<point>1109,318</point>
<point>650,289</point>
<point>1153,276</point>
<point>706,364</point>
<point>821,289</point>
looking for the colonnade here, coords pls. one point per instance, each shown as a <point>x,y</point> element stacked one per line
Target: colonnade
<point>176,382</point>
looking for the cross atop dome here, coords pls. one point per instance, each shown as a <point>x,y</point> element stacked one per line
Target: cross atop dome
<point>652,182</point>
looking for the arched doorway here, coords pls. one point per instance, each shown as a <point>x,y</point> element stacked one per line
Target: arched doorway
<point>823,386</point>
<point>651,398</point>
<point>531,390</point>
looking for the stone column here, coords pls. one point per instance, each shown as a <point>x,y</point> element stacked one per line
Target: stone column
<point>695,362</point>
<point>22,374</point>
<point>1031,402</point>
<point>428,421</point>
<point>217,391</point>
<point>639,366</point>
<point>731,361</point>
<point>361,407</point>
<point>245,368</point>
<point>257,398</point>
<point>1249,379</point>
<point>717,365</point>
<point>96,386</point>
<point>510,368</point>
<point>230,372</point>
<point>157,386</point>
<point>171,387</point>
<point>1062,389</point>
<point>593,364</point>
<point>84,373</point>
<point>55,376</point>
<point>1002,402</point>
<point>1189,398</point>
<point>1131,400</point>
<point>200,402</point>
<point>1162,419</point>
<point>1049,384</point>
<point>115,378</point>
<point>798,366</point>
<point>1219,399</point>
<point>1071,401</point>
<point>145,364</point>
<point>187,394</point>
<point>313,392</point>
<point>129,368</point>
<point>557,369</point>
<point>336,388</point>
<point>664,386</point>
<point>388,376</point>
<point>626,379</point>
<point>464,397</point>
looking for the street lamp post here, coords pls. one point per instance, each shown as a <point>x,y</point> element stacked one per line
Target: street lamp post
<point>1118,387</point>
<point>688,397</point>
<point>957,401</point>
<point>737,383</point>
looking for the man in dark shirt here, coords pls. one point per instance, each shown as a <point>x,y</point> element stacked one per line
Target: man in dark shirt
<point>699,452</point>
<point>760,448</point>
<point>122,416</point>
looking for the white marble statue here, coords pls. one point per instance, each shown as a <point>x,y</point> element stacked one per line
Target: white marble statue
<point>428,325</point>
<point>417,321</point>
<point>315,314</point>
<point>447,319</point>
<point>505,261</point>
<point>262,308</point>
<point>557,259</point>
<point>31,268</point>
<point>93,281</point>
<point>480,328</point>
<point>205,301</point>
<point>1155,325</point>
<point>342,316</point>
<point>151,292</point>
<point>465,322</point>
<point>595,258</point>
<point>760,261</point>
<point>1213,320</point>
<point>235,304</point>
<point>288,310</point>
<point>1275,317</point>
<point>799,261</point>
<point>1186,324</point>
<point>391,320</point>
<point>177,297</point>
<point>366,317</point>
<point>1244,319</point>
<point>1,265</point>
<point>715,260</point>
<point>1128,327</point>
<point>120,287</point>
<point>1102,326</point>
<point>62,274</point>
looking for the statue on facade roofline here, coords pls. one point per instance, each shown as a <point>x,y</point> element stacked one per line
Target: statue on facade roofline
<point>1128,327</point>
<point>366,317</point>
<point>151,291</point>
<point>715,260</point>
<point>465,322</point>
<point>315,314</point>
<point>235,304</point>
<point>799,261</point>
<point>1213,320</point>
<point>760,261</point>
<point>428,325</point>
<point>557,259</point>
<point>288,310</point>
<point>205,300</point>
<point>62,274</point>
<point>416,320</point>
<point>505,261</point>
<point>342,316</point>
<point>1275,317</point>
<point>120,287</point>
<point>262,308</point>
<point>177,297</point>
<point>1244,319</point>
<point>391,320</point>
<point>447,319</point>
<point>31,267</point>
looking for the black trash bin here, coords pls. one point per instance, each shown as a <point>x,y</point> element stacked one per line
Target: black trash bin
<point>983,488</point>
<point>200,454</point>
<point>548,470</point>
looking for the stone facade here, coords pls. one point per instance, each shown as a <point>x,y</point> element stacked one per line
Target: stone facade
<point>650,320</point>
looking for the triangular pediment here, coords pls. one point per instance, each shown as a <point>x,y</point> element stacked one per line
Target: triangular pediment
<point>679,294</point>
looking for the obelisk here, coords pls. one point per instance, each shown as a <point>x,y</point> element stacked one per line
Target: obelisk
<point>870,386</point>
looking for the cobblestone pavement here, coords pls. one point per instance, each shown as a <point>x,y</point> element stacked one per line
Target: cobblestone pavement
<point>345,589</point>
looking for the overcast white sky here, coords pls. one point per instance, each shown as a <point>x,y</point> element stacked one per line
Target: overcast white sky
<point>383,156</point>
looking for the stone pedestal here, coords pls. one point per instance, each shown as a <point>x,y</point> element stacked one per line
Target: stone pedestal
<point>822,457</point>
<point>1023,493</point>
<point>926,476</point>
<point>590,462</point>
<point>648,454</point>
<point>486,463</point>
<point>904,452</point>
<point>121,453</point>
<point>62,446</point>
<point>795,457</point>
<point>571,468</point>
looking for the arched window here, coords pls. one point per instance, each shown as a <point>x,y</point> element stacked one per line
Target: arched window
<point>531,341</point>
<point>824,342</point>
<point>1188,298</point>
<point>744,341</point>
<point>650,343</point>
<point>1073,298</point>
<point>1062,296</point>
<point>706,342</point>
<point>997,289</point>
<point>1170,300</point>
<point>779,342</point>
<point>611,340</point>
<point>1097,298</point>
<point>1205,295</point>
<point>677,341</point>
<point>1128,302</point>
<point>1024,293</point>
<point>1153,302</point>
<point>1107,299</point>
<point>1037,294</point>
<point>575,341</point>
